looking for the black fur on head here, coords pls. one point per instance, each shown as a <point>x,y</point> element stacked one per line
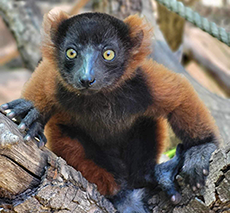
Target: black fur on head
<point>90,34</point>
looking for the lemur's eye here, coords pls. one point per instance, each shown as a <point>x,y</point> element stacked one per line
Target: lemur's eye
<point>109,55</point>
<point>71,53</point>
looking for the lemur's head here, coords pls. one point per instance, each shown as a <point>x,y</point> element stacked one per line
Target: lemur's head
<point>95,51</point>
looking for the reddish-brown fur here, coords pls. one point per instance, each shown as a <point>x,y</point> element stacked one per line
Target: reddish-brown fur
<point>138,25</point>
<point>170,92</point>
<point>161,136</point>
<point>73,152</point>
<point>50,26</point>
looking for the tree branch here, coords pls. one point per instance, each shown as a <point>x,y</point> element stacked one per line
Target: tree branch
<point>34,178</point>
<point>25,29</point>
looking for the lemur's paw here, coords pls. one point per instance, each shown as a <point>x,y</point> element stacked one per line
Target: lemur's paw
<point>165,174</point>
<point>31,119</point>
<point>196,165</point>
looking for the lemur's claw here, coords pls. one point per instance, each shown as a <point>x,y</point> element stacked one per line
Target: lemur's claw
<point>31,120</point>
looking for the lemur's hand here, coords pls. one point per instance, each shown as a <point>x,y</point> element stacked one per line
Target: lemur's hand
<point>193,164</point>
<point>196,165</point>
<point>31,120</point>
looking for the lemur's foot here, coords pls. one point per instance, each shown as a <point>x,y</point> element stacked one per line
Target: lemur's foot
<point>165,174</point>
<point>31,119</point>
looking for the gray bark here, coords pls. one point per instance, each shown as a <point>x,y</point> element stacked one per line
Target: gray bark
<point>24,25</point>
<point>36,180</point>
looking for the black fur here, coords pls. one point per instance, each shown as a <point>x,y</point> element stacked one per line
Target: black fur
<point>129,157</point>
<point>105,115</point>
<point>196,160</point>
<point>106,127</point>
<point>90,35</point>
<point>94,28</point>
<point>165,174</point>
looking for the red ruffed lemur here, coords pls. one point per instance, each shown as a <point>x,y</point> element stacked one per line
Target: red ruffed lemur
<point>104,105</point>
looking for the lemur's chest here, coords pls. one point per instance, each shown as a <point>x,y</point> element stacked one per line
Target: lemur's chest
<point>104,114</point>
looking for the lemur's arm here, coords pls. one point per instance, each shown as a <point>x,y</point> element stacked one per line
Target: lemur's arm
<point>175,99</point>
<point>37,103</point>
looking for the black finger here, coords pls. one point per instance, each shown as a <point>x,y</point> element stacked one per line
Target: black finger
<point>171,191</point>
<point>176,198</point>
<point>11,104</point>
<point>31,117</point>
<point>22,102</point>
<point>33,130</point>
<point>200,177</point>
<point>42,140</point>
<point>20,109</point>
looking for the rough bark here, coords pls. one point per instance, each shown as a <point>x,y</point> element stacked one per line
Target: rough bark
<point>36,180</point>
<point>214,198</point>
<point>24,24</point>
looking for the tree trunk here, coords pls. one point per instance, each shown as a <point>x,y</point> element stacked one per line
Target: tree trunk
<point>36,180</point>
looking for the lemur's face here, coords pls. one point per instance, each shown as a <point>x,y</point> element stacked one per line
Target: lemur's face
<point>93,51</point>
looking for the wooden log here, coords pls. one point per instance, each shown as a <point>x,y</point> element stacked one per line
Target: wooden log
<point>22,164</point>
<point>206,200</point>
<point>36,180</point>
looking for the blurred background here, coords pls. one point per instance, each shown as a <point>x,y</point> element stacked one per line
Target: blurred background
<point>204,57</point>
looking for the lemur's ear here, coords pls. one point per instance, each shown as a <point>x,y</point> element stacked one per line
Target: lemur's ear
<point>51,22</point>
<point>141,34</point>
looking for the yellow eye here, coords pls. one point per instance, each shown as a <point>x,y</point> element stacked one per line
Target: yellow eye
<point>109,55</point>
<point>71,53</point>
